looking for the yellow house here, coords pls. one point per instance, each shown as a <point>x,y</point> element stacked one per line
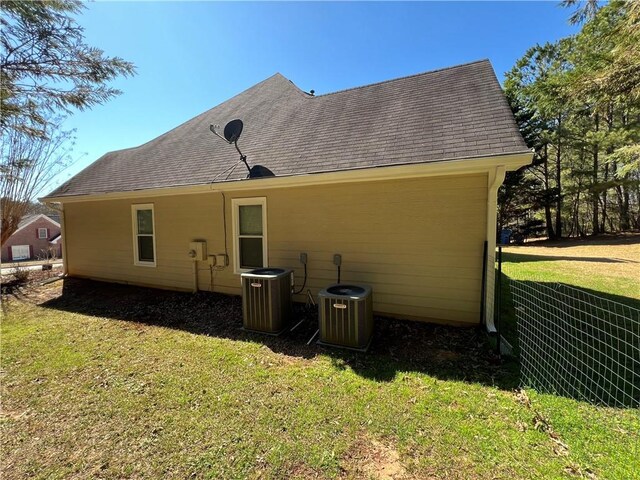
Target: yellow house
<point>398,177</point>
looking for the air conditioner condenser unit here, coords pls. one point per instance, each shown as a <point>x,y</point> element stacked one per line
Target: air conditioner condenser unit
<point>266,300</point>
<point>345,316</point>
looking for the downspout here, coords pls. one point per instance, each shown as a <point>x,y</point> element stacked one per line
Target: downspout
<point>496,177</point>
<point>59,207</point>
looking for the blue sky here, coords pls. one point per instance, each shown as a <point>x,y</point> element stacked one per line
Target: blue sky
<point>191,56</point>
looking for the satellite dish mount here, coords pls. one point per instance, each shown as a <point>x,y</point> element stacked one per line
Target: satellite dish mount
<point>231,132</point>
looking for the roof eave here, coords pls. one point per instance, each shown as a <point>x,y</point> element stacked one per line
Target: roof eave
<point>458,166</point>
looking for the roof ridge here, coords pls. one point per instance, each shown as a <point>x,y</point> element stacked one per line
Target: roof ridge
<point>405,77</point>
<point>293,84</point>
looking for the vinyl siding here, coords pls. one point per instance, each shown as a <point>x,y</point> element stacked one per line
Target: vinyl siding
<point>417,242</point>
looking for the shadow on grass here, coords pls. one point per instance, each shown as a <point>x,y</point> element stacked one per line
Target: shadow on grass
<point>446,353</point>
<point>524,258</point>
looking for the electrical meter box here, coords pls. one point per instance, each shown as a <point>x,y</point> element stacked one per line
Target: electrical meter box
<point>198,250</point>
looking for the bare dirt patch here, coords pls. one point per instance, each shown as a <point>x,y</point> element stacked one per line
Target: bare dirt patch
<point>13,415</point>
<point>370,458</point>
<point>30,290</point>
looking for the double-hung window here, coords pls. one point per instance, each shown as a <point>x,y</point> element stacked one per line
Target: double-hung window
<point>250,233</point>
<point>42,233</point>
<point>144,241</point>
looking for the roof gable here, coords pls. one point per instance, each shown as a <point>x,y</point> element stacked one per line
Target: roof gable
<point>28,220</point>
<point>448,114</point>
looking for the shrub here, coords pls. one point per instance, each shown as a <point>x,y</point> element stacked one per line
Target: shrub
<point>21,274</point>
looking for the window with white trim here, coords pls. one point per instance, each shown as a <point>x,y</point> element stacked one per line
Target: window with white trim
<point>42,233</point>
<point>250,233</point>
<point>144,241</point>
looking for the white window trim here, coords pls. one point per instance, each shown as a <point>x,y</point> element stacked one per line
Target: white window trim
<point>134,223</point>
<point>236,204</point>
<point>40,237</point>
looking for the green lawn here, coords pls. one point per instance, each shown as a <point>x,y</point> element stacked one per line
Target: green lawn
<point>88,392</point>
<point>609,267</point>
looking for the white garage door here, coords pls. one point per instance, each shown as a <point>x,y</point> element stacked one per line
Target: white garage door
<point>20,252</point>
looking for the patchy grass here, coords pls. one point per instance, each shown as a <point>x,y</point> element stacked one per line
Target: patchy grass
<point>108,381</point>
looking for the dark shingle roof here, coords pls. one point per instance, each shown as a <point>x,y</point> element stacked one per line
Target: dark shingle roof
<point>446,114</point>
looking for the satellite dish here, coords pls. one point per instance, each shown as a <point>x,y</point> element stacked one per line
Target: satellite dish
<point>258,171</point>
<point>232,130</point>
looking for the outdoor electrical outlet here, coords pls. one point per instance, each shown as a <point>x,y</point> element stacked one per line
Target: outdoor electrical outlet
<point>303,258</point>
<point>337,259</point>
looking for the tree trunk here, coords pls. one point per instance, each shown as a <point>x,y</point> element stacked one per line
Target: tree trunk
<point>605,193</point>
<point>625,220</point>
<point>622,193</point>
<point>559,181</point>
<point>604,199</point>
<point>623,199</point>
<point>612,228</point>
<point>595,196</point>
<point>12,213</point>
<point>547,201</point>
<point>576,219</point>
